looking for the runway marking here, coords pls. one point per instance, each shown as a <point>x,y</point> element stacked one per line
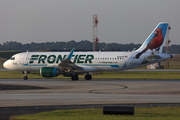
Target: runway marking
<point>96,91</point>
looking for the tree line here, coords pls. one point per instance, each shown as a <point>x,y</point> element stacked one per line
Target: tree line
<point>82,45</point>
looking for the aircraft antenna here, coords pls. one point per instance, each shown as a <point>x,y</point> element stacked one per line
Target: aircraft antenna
<point>95,32</point>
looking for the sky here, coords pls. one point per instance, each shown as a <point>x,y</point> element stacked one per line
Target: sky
<point>120,21</point>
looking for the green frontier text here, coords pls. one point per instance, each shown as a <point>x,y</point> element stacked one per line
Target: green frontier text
<point>57,59</point>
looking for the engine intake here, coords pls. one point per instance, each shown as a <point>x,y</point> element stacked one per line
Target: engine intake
<point>50,71</point>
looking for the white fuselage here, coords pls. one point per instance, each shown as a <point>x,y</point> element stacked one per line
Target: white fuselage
<point>101,61</point>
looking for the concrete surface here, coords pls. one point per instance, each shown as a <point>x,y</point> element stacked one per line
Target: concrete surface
<point>96,91</point>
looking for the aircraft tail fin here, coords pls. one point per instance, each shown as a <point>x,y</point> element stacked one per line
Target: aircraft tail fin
<point>155,40</point>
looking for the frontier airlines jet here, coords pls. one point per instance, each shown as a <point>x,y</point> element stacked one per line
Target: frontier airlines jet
<point>52,64</point>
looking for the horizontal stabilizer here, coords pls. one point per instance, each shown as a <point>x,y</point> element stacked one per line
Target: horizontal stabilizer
<point>152,58</point>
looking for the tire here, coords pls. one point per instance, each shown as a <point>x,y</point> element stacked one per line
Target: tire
<point>88,77</point>
<point>75,77</point>
<point>25,78</point>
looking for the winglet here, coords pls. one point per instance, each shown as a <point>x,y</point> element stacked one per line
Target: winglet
<point>70,54</point>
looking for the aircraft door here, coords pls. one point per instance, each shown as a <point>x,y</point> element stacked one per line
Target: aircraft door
<point>22,59</point>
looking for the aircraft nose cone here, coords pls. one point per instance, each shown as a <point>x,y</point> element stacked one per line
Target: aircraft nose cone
<point>5,64</point>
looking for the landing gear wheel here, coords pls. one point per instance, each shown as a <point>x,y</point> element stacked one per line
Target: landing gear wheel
<point>75,77</point>
<point>25,77</point>
<point>88,77</point>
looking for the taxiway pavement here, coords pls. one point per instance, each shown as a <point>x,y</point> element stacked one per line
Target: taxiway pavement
<point>96,91</point>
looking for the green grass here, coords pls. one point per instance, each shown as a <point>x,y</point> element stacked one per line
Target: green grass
<point>172,65</point>
<point>138,75</point>
<point>153,113</point>
<point>101,75</point>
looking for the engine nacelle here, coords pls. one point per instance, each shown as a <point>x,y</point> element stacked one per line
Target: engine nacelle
<point>50,71</point>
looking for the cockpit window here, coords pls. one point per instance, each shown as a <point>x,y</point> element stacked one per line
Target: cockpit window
<point>12,58</point>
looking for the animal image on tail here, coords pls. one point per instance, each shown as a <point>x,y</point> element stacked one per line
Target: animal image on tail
<point>154,43</point>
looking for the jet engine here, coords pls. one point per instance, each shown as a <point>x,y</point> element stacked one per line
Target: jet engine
<point>50,71</point>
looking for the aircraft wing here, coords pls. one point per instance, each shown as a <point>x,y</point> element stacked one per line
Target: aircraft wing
<point>69,66</point>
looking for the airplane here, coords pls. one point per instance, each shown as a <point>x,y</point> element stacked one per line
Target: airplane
<point>71,64</point>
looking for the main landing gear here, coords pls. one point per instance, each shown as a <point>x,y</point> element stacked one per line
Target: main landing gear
<point>88,77</point>
<point>75,77</point>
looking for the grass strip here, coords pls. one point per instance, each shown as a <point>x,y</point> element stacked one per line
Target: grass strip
<point>153,113</point>
<point>102,75</point>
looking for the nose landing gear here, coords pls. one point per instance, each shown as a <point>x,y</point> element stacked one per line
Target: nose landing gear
<point>25,75</point>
